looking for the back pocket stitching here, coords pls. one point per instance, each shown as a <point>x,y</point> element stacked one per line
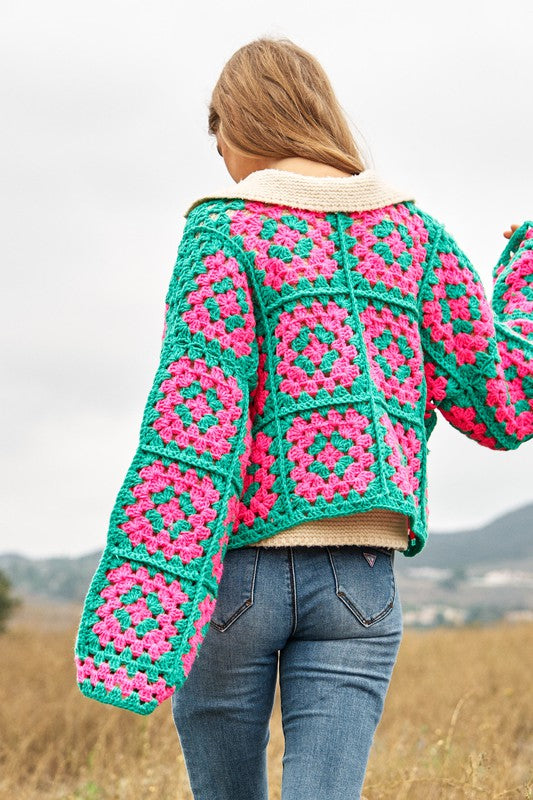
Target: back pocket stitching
<point>349,604</point>
<point>248,603</point>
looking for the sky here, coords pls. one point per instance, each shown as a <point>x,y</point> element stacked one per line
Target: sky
<point>104,144</point>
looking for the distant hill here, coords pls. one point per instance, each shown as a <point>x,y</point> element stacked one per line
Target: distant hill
<point>482,574</point>
<point>506,541</point>
<point>59,578</point>
<point>489,569</point>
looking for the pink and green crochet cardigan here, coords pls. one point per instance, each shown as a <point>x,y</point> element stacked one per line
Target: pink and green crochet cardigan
<point>305,353</point>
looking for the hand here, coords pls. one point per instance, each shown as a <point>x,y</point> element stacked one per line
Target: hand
<point>508,234</point>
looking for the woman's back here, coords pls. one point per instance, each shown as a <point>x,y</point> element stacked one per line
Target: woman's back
<point>359,324</point>
<point>312,328</point>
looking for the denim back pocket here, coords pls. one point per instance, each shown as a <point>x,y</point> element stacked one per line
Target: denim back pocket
<point>364,580</point>
<point>236,588</point>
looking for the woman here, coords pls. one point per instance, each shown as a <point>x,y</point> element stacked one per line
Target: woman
<point>315,321</point>
<point>273,109</point>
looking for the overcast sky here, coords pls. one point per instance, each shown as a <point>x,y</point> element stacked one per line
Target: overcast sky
<point>104,145</point>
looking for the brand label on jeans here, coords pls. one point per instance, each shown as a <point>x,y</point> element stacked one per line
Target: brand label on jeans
<point>370,557</point>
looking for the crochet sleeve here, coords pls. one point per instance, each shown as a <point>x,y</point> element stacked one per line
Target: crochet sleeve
<point>150,601</point>
<point>478,356</point>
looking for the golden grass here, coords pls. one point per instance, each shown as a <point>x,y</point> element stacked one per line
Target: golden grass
<point>457,722</point>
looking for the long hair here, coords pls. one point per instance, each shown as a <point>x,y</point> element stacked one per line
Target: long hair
<point>274,99</point>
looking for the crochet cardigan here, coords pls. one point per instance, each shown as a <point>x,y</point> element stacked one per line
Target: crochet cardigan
<point>313,328</point>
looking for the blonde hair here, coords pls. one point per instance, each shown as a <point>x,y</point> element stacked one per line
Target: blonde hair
<point>274,99</point>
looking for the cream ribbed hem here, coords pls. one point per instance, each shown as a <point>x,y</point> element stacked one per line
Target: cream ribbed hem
<point>360,192</point>
<point>379,527</point>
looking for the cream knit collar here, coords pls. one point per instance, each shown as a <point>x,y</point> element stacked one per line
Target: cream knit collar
<point>359,192</point>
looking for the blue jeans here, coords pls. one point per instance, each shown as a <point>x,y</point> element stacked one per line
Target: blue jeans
<point>334,618</point>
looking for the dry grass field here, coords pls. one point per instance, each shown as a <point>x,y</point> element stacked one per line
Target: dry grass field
<point>457,722</point>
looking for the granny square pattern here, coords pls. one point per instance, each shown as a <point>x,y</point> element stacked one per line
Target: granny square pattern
<point>304,357</point>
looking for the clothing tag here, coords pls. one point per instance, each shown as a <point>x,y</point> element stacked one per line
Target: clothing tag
<point>370,557</point>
